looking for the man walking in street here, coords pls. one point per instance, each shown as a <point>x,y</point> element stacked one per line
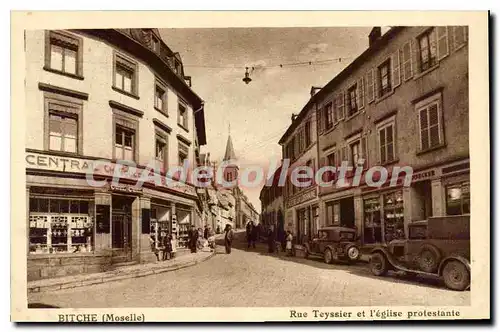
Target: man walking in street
<point>193,239</point>
<point>249,233</point>
<point>228,238</point>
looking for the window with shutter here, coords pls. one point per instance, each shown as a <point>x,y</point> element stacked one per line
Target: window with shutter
<point>361,93</point>
<point>407,61</point>
<point>430,126</point>
<point>384,78</point>
<point>370,95</point>
<point>331,161</point>
<point>364,151</point>
<point>442,42</point>
<point>458,36</point>
<point>386,143</point>
<point>352,100</point>
<point>340,106</point>
<point>320,121</point>
<point>427,50</point>
<point>396,72</point>
<point>330,119</point>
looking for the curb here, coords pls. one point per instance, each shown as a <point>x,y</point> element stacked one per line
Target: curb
<point>101,280</point>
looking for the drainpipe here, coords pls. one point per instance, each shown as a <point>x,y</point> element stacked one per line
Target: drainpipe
<point>320,205</point>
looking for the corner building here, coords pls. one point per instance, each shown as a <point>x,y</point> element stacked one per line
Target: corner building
<point>111,94</point>
<point>403,102</point>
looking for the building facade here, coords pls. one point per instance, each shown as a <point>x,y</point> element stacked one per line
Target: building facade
<point>299,146</point>
<point>272,207</point>
<point>112,95</point>
<point>402,102</point>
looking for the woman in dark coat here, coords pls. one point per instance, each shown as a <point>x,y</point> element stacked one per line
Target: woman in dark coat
<point>271,239</point>
<point>228,238</point>
<point>167,245</point>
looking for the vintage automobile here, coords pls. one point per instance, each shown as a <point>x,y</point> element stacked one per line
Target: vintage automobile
<point>334,243</point>
<point>439,246</point>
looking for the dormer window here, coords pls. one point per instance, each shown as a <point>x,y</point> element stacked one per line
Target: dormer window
<point>156,44</point>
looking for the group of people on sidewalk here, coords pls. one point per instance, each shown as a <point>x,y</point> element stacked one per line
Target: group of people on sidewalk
<point>276,241</point>
<point>198,238</point>
<point>253,234</point>
<point>166,248</point>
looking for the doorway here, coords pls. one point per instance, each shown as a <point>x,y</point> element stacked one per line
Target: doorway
<point>121,228</point>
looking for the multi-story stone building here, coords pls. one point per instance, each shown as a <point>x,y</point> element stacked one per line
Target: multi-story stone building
<point>402,102</point>
<point>272,208</point>
<point>299,146</point>
<point>111,94</point>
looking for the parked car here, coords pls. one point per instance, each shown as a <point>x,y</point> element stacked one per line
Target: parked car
<point>439,246</point>
<point>334,243</point>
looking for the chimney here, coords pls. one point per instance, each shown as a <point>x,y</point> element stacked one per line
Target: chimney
<point>294,116</point>
<point>314,90</point>
<point>374,35</point>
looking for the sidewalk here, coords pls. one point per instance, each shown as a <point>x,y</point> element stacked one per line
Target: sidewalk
<point>118,273</point>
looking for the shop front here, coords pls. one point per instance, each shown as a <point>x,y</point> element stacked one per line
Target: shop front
<point>436,191</point>
<point>73,227</point>
<point>303,210</point>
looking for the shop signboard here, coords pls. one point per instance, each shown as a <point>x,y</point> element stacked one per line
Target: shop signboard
<point>48,162</point>
<point>302,197</point>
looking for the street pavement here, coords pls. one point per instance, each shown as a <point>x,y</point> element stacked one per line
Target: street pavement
<point>252,277</point>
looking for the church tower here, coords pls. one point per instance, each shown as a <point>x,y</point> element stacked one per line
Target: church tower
<point>231,170</point>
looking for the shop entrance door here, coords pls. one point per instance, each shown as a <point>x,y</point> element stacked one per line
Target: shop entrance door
<point>121,229</point>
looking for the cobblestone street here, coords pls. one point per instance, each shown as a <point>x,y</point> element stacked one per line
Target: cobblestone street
<point>255,278</point>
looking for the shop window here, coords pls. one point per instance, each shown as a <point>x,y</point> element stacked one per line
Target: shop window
<point>160,223</point>
<point>384,78</point>
<point>125,75</point>
<point>182,119</point>
<point>60,226</point>
<point>458,199</point>
<point>429,119</point>
<point>184,225</point>
<point>352,101</point>
<point>124,143</point>
<point>333,214</point>
<point>63,53</point>
<point>372,226</point>
<point>428,50</point>
<point>386,143</point>
<point>393,216</point>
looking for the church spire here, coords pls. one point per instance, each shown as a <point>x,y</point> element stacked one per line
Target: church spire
<point>229,155</point>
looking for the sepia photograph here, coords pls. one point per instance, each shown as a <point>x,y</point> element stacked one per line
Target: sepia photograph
<point>330,171</point>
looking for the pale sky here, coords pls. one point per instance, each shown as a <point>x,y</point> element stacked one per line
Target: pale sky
<point>261,111</point>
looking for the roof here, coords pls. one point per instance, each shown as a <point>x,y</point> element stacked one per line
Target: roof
<point>338,79</point>
<point>229,155</point>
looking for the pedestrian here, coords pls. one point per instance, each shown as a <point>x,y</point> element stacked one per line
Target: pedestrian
<point>201,239</point>
<point>152,243</point>
<point>249,233</point>
<point>254,235</point>
<point>205,233</point>
<point>211,238</point>
<point>271,239</point>
<point>289,239</point>
<point>228,238</point>
<point>167,247</point>
<point>173,243</point>
<point>193,239</point>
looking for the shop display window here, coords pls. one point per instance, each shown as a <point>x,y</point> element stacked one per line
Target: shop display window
<point>161,223</point>
<point>60,226</point>
<point>458,199</point>
<point>372,231</point>
<point>393,216</point>
<point>184,224</point>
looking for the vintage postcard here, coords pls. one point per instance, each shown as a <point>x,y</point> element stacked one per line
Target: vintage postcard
<point>212,166</point>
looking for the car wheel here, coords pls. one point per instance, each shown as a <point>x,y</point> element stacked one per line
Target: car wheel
<point>456,275</point>
<point>328,256</point>
<point>429,258</point>
<point>378,264</point>
<point>353,253</point>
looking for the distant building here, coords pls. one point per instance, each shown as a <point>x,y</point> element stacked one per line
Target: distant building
<point>272,208</point>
